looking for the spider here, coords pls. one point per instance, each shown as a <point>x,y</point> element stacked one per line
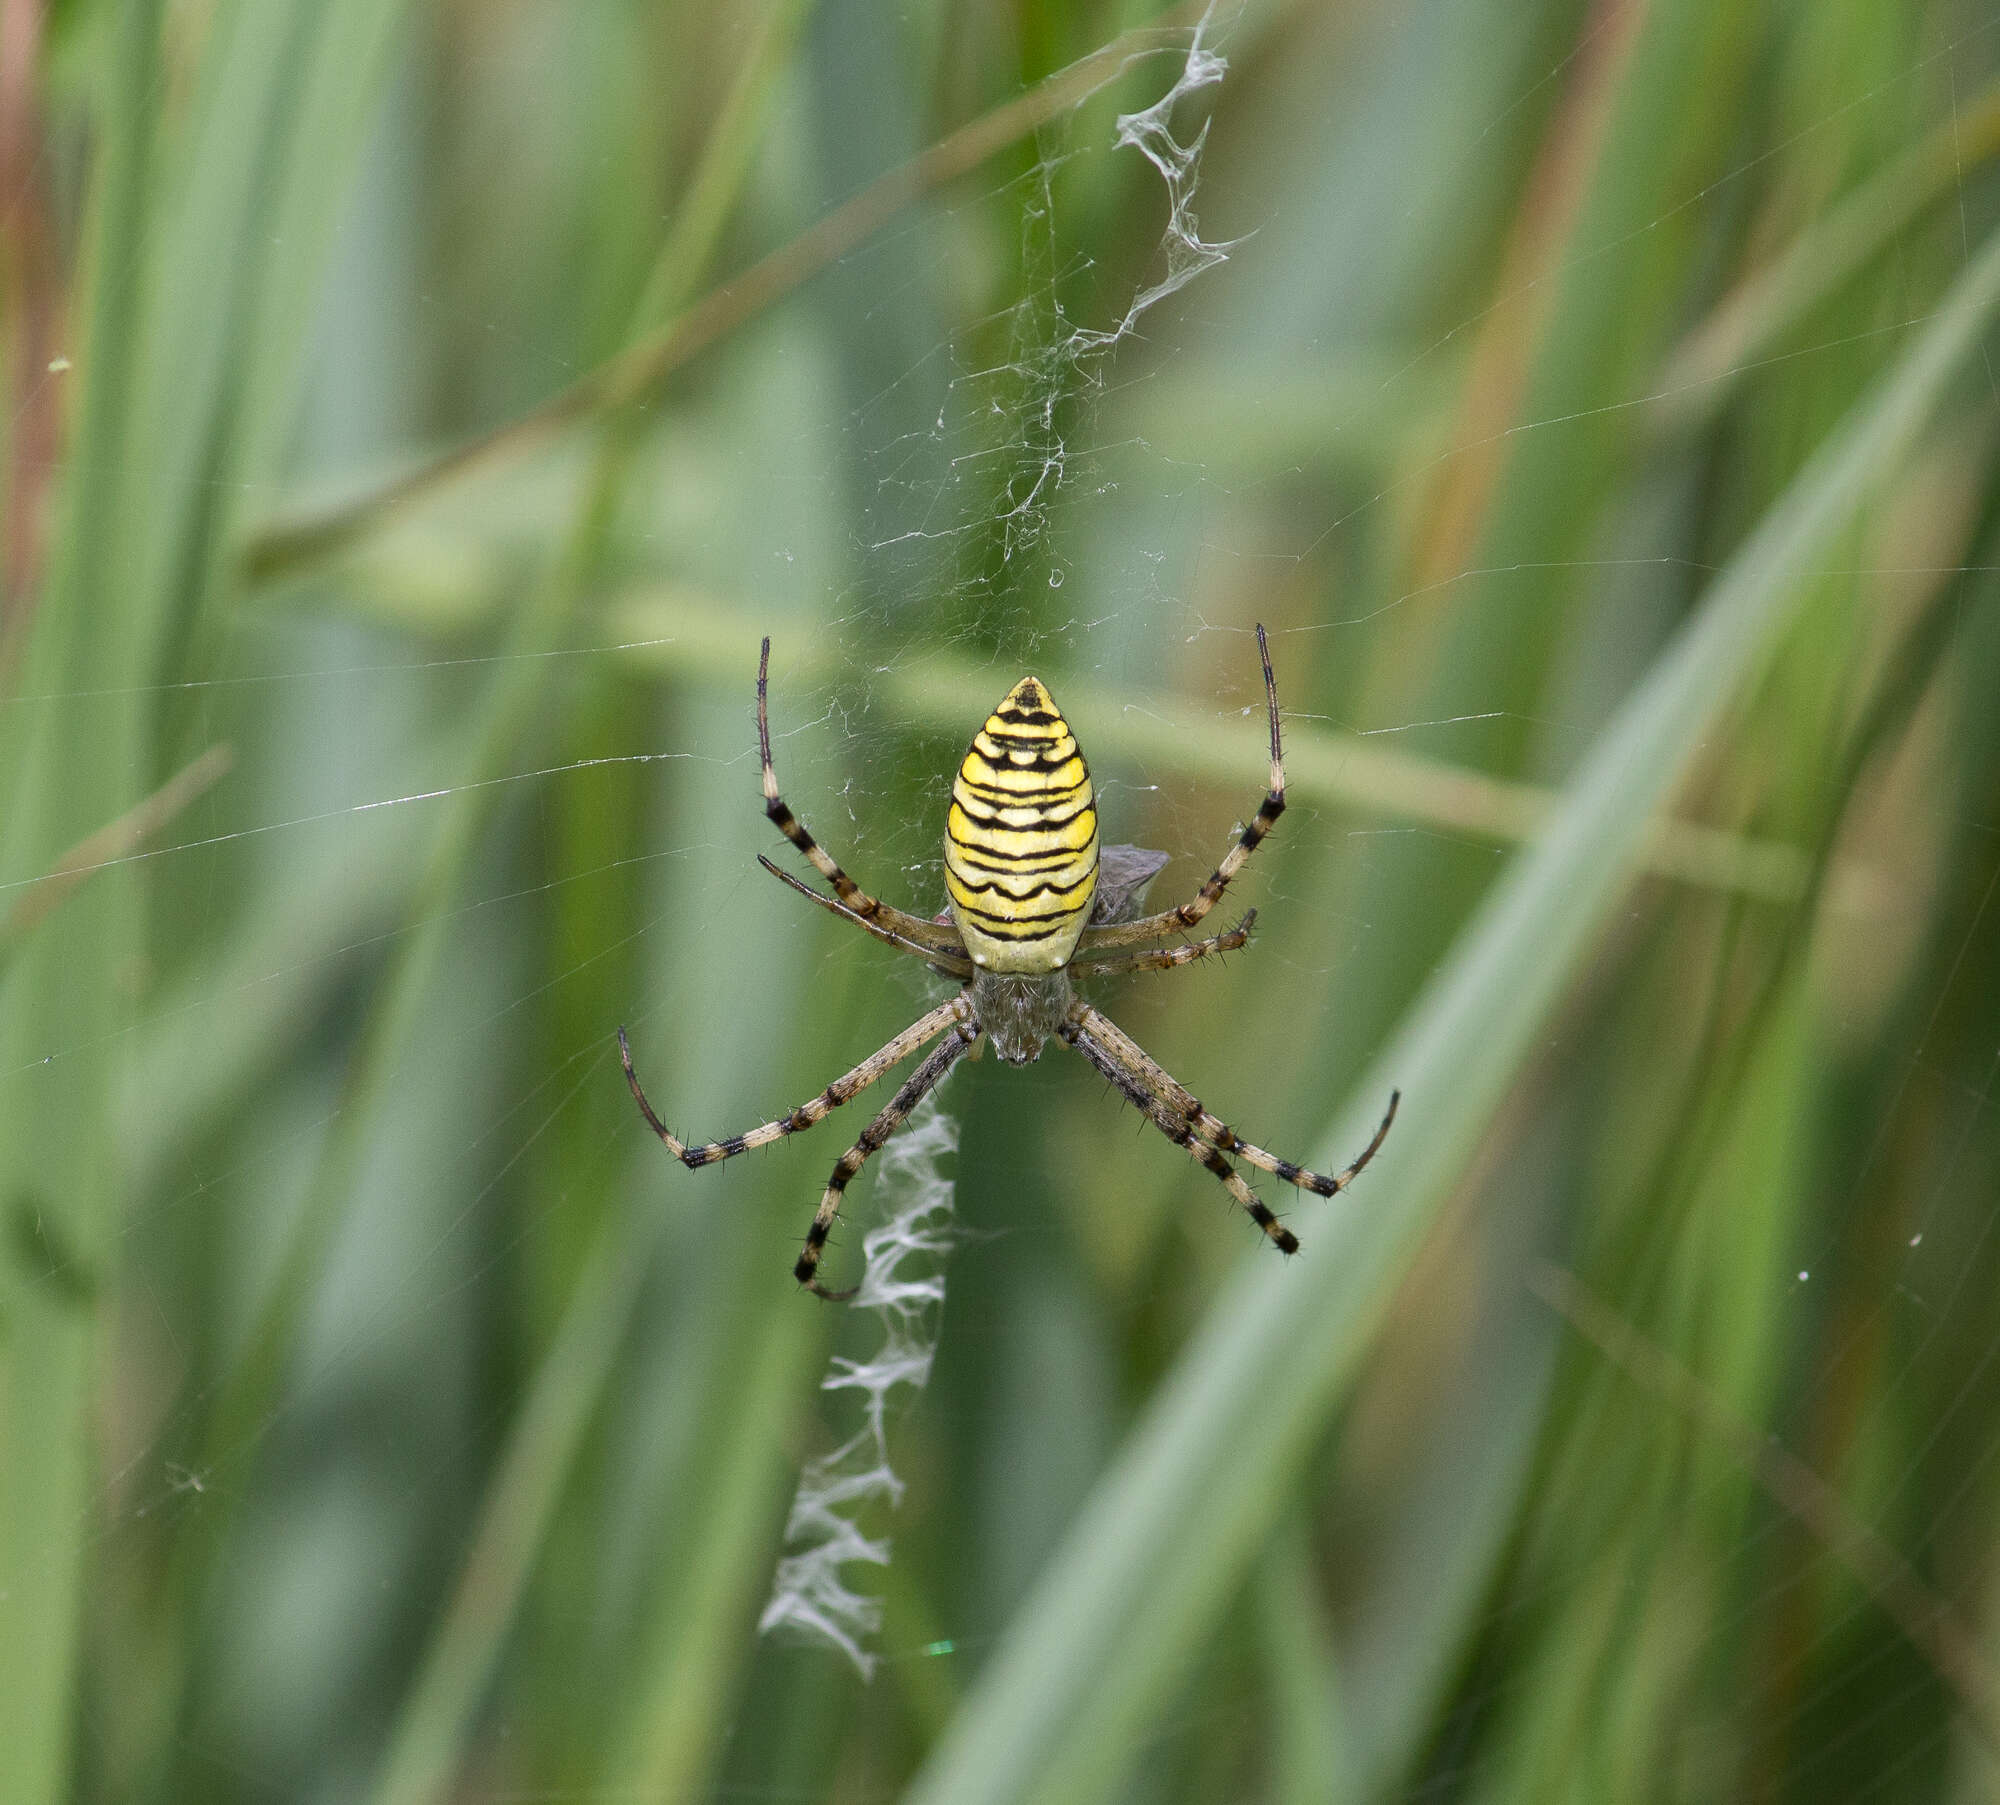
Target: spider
<point>1031,908</point>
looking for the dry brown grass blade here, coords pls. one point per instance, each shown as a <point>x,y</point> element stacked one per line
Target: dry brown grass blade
<point>113,841</point>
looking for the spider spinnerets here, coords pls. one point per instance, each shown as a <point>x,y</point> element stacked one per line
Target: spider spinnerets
<point>1033,902</point>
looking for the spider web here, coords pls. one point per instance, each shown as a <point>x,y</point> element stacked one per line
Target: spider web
<point>810,1598</point>
<point>809,1595</point>
<point>935,479</point>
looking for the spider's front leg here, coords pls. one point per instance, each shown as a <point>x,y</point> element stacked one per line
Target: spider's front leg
<point>900,926</point>
<point>949,964</point>
<point>1165,958</point>
<point>1178,920</point>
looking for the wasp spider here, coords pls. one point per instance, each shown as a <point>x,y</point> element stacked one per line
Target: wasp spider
<point>1031,908</point>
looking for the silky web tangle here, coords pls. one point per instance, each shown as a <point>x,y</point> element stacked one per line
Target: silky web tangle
<point>903,1284</point>
<point>903,1260</point>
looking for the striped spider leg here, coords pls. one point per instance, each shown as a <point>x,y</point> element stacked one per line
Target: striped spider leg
<point>1176,1128</point>
<point>916,1087</point>
<point>938,946</point>
<point>1185,1109</point>
<point>951,965</point>
<point>1165,958</point>
<point>955,1015</point>
<point>867,908</point>
<point>1033,901</point>
<point>696,1154</point>
<point>1177,920</point>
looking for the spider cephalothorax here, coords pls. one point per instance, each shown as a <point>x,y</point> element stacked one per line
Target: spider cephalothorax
<point>1032,901</point>
<point>1020,1011</point>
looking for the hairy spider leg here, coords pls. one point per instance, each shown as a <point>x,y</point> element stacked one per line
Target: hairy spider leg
<point>1165,958</point>
<point>937,1062</point>
<point>1178,920</point>
<point>1189,1108</point>
<point>1177,1129</point>
<point>953,965</point>
<point>909,927</point>
<point>695,1154</point>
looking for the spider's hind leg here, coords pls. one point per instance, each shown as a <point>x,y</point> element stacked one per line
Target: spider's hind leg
<point>1176,1127</point>
<point>1189,1108</point>
<point>916,1087</point>
<point>696,1154</point>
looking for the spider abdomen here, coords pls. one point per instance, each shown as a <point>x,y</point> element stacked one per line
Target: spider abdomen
<point>1020,848</point>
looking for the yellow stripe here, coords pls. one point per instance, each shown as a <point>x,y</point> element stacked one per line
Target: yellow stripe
<point>1019,782</point>
<point>1021,837</point>
<point>997,916</point>
<point>1020,833</point>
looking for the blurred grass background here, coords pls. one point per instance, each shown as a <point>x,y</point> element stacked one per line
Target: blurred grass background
<point>416,415</point>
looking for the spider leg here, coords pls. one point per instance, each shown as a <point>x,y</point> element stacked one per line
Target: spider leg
<point>909,927</point>
<point>1166,957</point>
<point>1212,1128</point>
<point>1175,1127</point>
<point>952,964</point>
<point>937,1062</point>
<point>1174,921</point>
<point>693,1154</point>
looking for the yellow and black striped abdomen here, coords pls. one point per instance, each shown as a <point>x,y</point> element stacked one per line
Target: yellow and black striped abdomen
<point>1020,844</point>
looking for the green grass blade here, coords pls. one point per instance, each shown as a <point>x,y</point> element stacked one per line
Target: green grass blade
<point>1711,365</point>
<point>674,629</point>
<point>515,1513</point>
<point>66,773</point>
<point>262,171</point>
<point>285,548</point>
<point>1313,1761</point>
<point>698,1643</point>
<point>537,1463</point>
<point>1165,1540</point>
<point>1422,1604</point>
